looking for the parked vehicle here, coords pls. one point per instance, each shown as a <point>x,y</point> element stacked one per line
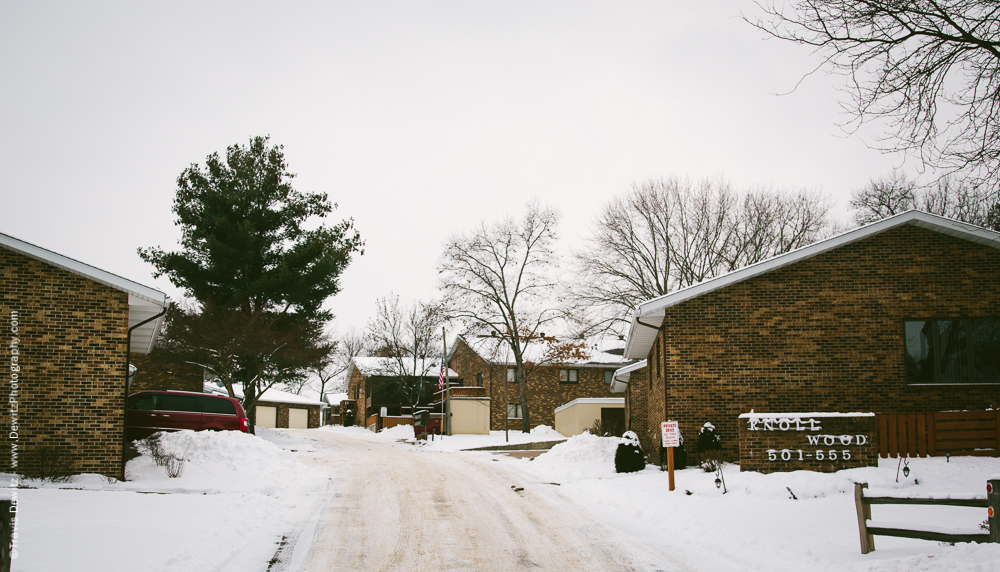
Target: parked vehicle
<point>152,411</point>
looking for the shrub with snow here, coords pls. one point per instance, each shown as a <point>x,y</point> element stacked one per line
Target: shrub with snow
<point>709,446</point>
<point>629,457</point>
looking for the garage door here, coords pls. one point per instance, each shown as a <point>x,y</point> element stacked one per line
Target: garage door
<point>267,416</point>
<point>298,418</point>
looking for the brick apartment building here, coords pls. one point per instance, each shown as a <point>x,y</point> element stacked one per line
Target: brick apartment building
<point>373,383</point>
<point>485,362</point>
<point>69,323</point>
<point>902,315</point>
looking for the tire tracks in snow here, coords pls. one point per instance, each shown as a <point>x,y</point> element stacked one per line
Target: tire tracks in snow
<point>397,507</point>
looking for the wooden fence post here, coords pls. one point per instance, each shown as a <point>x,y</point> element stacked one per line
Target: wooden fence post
<point>864,513</point>
<point>993,507</point>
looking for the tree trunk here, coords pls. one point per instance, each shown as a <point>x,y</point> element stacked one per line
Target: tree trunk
<point>522,384</point>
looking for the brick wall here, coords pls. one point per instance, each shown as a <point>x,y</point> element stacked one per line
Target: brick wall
<point>161,370</point>
<point>72,356</point>
<point>545,392</point>
<point>823,334</point>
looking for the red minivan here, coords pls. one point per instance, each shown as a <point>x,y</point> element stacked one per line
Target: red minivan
<point>152,411</point>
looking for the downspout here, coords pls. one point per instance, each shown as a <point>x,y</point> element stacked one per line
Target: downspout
<point>128,356</point>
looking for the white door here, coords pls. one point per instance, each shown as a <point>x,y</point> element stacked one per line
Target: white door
<point>298,418</point>
<point>267,416</point>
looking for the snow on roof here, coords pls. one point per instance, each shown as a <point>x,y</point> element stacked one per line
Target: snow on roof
<point>592,400</point>
<point>273,395</point>
<point>335,398</point>
<point>601,352</point>
<point>390,367</point>
<point>143,302</point>
<point>651,313</point>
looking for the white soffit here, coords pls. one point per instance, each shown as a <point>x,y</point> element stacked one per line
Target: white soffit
<point>651,312</point>
<point>143,302</point>
<point>620,379</point>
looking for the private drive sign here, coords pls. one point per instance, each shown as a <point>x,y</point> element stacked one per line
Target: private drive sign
<point>825,442</point>
<point>671,433</point>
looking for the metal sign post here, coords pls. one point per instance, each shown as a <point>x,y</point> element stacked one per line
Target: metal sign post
<point>671,438</point>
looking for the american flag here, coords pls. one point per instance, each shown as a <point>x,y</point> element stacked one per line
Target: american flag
<point>441,377</point>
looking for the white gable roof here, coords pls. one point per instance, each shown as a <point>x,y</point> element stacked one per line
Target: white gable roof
<point>143,302</point>
<point>649,315</point>
<point>389,367</point>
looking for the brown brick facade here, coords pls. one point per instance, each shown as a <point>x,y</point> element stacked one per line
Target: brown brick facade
<point>545,391</point>
<point>72,343</point>
<point>163,371</point>
<point>823,334</point>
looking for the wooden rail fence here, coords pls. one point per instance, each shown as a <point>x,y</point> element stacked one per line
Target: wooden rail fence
<point>937,434</point>
<point>868,529</point>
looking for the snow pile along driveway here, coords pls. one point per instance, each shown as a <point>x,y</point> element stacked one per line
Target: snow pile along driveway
<point>215,462</point>
<point>778,522</point>
<point>228,510</point>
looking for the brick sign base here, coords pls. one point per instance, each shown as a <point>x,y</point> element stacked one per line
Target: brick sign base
<point>824,442</point>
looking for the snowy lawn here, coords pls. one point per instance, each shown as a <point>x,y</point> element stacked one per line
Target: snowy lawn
<point>456,442</point>
<point>758,525</point>
<point>236,497</point>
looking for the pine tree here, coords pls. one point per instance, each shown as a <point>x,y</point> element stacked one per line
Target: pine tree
<point>257,276</point>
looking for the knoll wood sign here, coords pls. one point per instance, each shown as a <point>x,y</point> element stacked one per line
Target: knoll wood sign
<point>825,442</point>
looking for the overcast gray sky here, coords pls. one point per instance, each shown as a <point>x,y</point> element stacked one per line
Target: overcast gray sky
<point>418,118</point>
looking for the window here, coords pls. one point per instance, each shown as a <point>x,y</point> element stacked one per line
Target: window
<point>609,376</point>
<point>567,376</point>
<point>514,411</point>
<point>181,403</point>
<point>952,351</point>
<point>511,374</point>
<point>144,402</point>
<point>479,379</point>
<point>217,405</point>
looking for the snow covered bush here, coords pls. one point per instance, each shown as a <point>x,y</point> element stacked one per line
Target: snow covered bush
<point>629,457</point>
<point>709,446</point>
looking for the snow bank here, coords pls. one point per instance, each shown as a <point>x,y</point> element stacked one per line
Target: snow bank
<point>780,522</point>
<point>583,448</point>
<point>397,433</point>
<point>547,432</point>
<point>227,511</point>
<point>227,461</point>
<point>958,558</point>
<point>582,457</point>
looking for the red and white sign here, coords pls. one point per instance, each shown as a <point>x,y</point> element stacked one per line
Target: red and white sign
<point>671,434</point>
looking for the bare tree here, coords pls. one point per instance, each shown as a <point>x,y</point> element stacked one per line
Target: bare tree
<point>328,376</point>
<point>500,280</point>
<point>408,337</point>
<point>883,197</point>
<point>927,69</point>
<point>961,200</point>
<point>667,234</point>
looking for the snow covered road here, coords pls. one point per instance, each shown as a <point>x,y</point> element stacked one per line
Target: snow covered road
<point>396,507</point>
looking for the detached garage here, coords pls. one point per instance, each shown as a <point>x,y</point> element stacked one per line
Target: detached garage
<point>283,410</point>
<point>581,414</point>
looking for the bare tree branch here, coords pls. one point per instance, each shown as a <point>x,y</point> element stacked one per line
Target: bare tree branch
<point>926,69</point>
<point>667,234</point>
<point>500,280</point>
